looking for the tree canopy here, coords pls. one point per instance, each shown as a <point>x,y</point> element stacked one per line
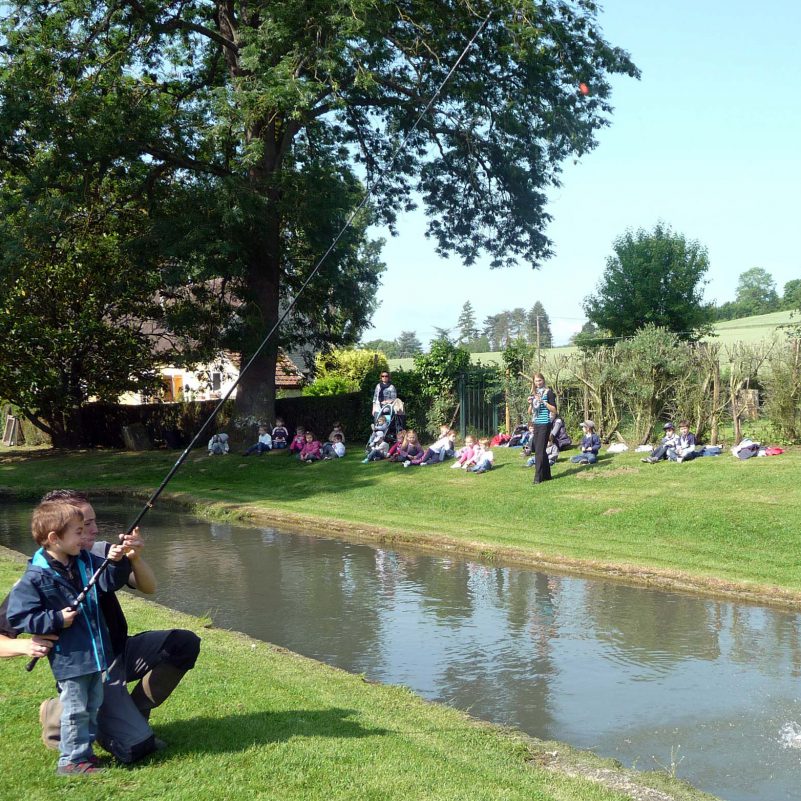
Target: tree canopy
<point>653,277</point>
<point>249,130</point>
<point>756,292</point>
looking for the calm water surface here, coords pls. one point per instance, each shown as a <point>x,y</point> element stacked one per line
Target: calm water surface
<point>647,677</point>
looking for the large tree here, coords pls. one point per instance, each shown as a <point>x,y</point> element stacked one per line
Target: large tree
<point>259,121</point>
<point>653,277</point>
<point>791,297</point>
<point>496,330</point>
<point>408,344</point>
<point>756,292</point>
<point>468,331</point>
<point>538,326</point>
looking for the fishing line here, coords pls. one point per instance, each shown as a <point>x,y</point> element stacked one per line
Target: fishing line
<point>368,194</point>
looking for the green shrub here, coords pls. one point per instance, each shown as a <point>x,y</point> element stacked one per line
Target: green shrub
<point>351,364</point>
<point>330,385</point>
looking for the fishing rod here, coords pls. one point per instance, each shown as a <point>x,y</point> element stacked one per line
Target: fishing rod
<point>210,419</point>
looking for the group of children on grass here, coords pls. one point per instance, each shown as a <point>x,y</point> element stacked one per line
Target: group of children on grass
<point>304,445</point>
<point>475,456</point>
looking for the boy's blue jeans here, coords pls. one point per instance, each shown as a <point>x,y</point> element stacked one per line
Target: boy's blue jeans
<point>259,448</point>
<point>81,699</point>
<point>584,458</point>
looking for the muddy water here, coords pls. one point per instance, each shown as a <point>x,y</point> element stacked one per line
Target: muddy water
<point>706,689</point>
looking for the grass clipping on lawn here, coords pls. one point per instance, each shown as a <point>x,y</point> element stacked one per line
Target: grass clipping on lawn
<point>254,721</point>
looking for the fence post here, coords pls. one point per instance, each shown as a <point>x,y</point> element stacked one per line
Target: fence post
<point>462,405</point>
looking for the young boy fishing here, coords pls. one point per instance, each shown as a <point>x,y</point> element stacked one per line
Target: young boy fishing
<point>44,602</point>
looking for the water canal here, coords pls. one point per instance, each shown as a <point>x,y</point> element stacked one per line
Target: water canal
<point>655,679</point>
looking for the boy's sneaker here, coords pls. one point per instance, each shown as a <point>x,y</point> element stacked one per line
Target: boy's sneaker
<point>365,460</point>
<point>79,768</point>
<point>406,463</point>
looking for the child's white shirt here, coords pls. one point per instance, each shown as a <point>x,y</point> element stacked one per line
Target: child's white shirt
<point>442,444</point>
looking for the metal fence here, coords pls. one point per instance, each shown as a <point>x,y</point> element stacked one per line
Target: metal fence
<point>479,405</point>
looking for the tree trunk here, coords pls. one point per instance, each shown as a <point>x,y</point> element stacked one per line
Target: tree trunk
<point>255,397</point>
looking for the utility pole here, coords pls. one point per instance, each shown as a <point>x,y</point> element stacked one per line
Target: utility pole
<point>539,353</point>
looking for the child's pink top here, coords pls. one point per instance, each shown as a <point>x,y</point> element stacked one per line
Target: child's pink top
<point>466,454</point>
<point>311,448</point>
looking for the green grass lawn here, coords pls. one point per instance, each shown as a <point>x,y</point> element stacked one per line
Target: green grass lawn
<point>253,721</point>
<point>715,521</point>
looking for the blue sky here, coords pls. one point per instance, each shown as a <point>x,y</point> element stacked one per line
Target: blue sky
<point>707,141</point>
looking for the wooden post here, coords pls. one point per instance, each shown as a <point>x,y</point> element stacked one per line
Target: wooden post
<point>713,433</point>
<point>508,416</point>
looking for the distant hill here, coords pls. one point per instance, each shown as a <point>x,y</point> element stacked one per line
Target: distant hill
<point>746,329</point>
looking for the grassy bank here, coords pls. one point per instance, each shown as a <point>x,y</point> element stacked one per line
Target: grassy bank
<point>717,523</point>
<point>254,721</point>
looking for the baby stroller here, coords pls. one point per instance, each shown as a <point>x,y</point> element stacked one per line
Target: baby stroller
<point>394,420</point>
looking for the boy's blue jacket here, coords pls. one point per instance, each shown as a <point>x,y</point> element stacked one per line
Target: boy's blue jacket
<point>35,605</point>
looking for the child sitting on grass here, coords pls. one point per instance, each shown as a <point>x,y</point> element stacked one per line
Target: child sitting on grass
<point>42,603</point>
<point>464,456</point>
<point>377,448</point>
<point>218,445</point>
<point>395,449</point>
<point>439,450</point>
<point>280,434</point>
<point>337,429</point>
<point>551,451</point>
<point>311,450</point>
<point>264,444</point>
<point>590,445</point>
<point>335,449</point>
<point>298,441</point>
<point>484,458</point>
<point>684,449</point>
<point>411,449</point>
<point>669,441</point>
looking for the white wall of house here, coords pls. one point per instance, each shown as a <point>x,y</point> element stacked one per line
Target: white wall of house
<point>207,382</point>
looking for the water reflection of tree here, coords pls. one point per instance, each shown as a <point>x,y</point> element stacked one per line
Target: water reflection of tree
<point>320,597</point>
<point>504,673</point>
<point>768,637</point>
<point>649,626</point>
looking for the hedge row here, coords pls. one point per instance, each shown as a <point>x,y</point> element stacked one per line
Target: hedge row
<point>173,425</point>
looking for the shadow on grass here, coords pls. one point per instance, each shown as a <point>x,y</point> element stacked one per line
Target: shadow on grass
<point>239,732</point>
<point>581,468</point>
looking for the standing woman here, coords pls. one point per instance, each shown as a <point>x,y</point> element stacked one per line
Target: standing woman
<point>543,410</point>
